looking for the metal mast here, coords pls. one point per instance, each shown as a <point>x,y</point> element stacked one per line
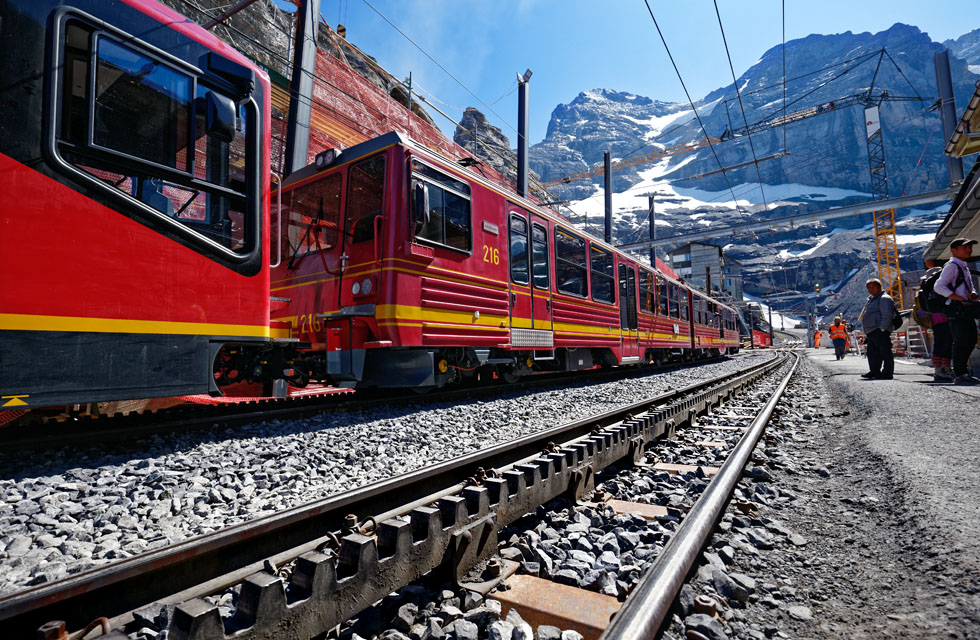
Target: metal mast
<point>886,242</point>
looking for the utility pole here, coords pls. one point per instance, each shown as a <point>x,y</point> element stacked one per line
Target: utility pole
<point>948,112</point>
<point>653,232</point>
<point>607,162</point>
<point>522,120</point>
<point>771,337</point>
<point>301,86</point>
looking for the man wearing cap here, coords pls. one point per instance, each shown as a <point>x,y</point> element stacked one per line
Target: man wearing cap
<point>876,320</point>
<point>956,284</point>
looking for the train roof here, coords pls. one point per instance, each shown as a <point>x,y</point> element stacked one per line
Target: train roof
<point>392,138</point>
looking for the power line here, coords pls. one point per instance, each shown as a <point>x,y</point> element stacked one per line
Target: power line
<point>436,62</point>
<point>740,105</point>
<point>691,102</point>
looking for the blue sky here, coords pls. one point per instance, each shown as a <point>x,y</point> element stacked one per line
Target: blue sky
<point>576,45</point>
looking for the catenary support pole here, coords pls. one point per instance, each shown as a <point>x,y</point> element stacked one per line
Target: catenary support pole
<point>522,120</point>
<point>301,86</point>
<point>607,163</point>
<point>948,111</point>
<point>653,231</point>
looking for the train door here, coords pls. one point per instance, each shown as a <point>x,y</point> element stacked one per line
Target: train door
<point>360,255</point>
<point>627,313</point>
<point>541,275</point>
<point>697,319</point>
<point>520,274</point>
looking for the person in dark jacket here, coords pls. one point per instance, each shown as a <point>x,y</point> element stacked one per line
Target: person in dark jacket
<point>955,283</point>
<point>876,320</point>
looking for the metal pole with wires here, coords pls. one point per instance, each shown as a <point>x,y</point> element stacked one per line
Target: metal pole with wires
<point>653,231</point>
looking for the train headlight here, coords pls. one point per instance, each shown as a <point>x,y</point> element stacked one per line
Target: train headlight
<point>355,288</point>
<point>366,286</point>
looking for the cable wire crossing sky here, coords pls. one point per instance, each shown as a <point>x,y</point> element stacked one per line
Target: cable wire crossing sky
<point>469,53</point>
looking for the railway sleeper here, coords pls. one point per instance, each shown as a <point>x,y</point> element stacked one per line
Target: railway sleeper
<point>327,588</point>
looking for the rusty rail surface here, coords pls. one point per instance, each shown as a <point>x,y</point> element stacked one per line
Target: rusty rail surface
<point>329,585</point>
<point>648,607</point>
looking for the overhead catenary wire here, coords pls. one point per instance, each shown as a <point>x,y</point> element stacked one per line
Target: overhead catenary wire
<point>691,102</point>
<point>438,64</point>
<point>326,81</point>
<point>738,93</point>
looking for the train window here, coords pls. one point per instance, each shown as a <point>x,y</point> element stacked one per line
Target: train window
<point>313,214</point>
<point>683,303</point>
<point>697,309</point>
<point>648,292</point>
<point>662,296</point>
<point>518,250</point>
<point>539,256</point>
<point>448,221</point>
<point>674,291</point>
<point>603,275</point>
<point>163,138</point>
<point>365,198</point>
<point>570,269</point>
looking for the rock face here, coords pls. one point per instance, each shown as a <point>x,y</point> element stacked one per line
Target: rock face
<point>490,145</point>
<point>826,150</point>
<point>596,120</point>
<point>263,33</point>
<point>967,48</point>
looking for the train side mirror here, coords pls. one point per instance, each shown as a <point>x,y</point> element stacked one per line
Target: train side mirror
<point>221,116</point>
<point>420,203</point>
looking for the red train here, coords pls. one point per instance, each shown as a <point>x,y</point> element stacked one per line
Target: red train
<point>136,234</point>
<point>403,268</point>
<point>134,210</point>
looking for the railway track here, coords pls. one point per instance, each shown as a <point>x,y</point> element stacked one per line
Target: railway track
<point>345,552</point>
<point>122,427</point>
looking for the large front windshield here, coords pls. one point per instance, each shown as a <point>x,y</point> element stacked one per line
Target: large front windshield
<point>142,126</point>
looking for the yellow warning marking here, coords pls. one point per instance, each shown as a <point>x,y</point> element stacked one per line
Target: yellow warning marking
<point>14,401</point>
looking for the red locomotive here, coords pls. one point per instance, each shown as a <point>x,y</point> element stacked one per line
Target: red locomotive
<point>136,235</point>
<point>134,150</point>
<point>402,268</point>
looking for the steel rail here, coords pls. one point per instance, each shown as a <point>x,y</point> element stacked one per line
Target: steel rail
<point>118,588</point>
<point>648,607</point>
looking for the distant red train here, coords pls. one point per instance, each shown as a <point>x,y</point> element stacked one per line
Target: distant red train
<point>403,268</point>
<point>139,258</point>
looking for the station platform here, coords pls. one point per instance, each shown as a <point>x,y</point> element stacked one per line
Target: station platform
<point>927,434</point>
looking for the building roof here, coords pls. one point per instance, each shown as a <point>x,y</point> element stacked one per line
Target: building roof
<point>965,139</point>
<point>963,220</point>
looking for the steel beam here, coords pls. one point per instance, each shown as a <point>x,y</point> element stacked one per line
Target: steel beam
<point>801,218</point>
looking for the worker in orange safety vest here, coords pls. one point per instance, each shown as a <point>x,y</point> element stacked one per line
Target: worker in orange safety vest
<point>816,339</point>
<point>838,335</point>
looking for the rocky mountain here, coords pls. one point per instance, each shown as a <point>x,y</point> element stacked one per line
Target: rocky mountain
<point>828,149</point>
<point>825,162</point>
<point>967,48</point>
<point>489,143</point>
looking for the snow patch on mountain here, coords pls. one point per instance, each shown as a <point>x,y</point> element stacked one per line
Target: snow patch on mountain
<point>785,254</point>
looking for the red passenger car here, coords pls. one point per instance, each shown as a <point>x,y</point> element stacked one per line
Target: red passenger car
<point>403,268</point>
<point>134,217</point>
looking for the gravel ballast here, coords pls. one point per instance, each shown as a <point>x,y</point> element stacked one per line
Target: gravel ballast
<point>65,510</point>
<point>833,541</point>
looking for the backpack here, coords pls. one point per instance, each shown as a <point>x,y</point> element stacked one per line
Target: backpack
<point>929,299</point>
<point>896,319</point>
